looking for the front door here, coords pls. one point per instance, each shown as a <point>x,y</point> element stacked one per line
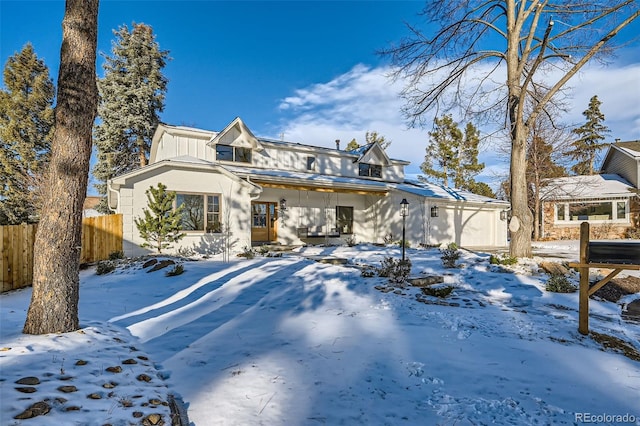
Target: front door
<point>264,222</point>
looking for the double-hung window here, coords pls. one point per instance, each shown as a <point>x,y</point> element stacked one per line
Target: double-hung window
<point>200,212</point>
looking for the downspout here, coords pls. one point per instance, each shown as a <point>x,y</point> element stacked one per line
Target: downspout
<point>109,189</point>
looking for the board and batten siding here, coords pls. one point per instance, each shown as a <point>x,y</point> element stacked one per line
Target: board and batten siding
<point>283,157</point>
<point>466,224</point>
<point>234,195</point>
<point>172,146</point>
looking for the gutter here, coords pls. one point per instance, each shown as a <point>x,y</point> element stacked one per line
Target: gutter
<point>109,190</point>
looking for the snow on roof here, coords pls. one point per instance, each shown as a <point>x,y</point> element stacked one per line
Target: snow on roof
<point>632,148</point>
<point>595,186</point>
<point>189,129</point>
<point>188,159</point>
<point>431,190</point>
<point>311,177</point>
<point>360,150</point>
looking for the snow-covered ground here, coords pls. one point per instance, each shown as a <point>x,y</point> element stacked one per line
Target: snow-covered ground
<point>289,341</point>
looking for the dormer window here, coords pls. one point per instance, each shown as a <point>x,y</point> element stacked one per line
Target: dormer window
<point>233,153</point>
<point>370,170</point>
<point>311,163</point>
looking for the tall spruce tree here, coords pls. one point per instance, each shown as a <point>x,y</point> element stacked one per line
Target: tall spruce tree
<point>26,130</point>
<point>590,136</point>
<point>132,94</point>
<point>468,166</point>
<point>452,156</point>
<point>160,225</point>
<point>442,158</point>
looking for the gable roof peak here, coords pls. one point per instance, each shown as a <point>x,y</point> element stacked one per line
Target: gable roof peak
<point>237,133</point>
<point>372,149</point>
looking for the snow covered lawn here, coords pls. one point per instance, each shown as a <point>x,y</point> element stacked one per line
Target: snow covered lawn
<point>289,341</point>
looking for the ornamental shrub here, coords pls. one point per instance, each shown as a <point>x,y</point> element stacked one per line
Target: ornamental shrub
<point>450,255</point>
<point>560,284</point>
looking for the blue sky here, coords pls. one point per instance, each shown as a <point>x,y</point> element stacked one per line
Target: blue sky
<point>308,70</point>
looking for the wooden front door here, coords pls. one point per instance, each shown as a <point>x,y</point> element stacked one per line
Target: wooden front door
<point>264,222</point>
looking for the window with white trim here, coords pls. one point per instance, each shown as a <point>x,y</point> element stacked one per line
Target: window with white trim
<point>592,211</point>
<point>233,153</point>
<point>370,170</point>
<point>311,163</point>
<point>344,219</point>
<point>200,212</point>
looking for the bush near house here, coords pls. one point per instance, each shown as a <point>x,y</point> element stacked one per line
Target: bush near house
<point>450,255</point>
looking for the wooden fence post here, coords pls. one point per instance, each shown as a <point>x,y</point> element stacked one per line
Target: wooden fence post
<point>583,305</point>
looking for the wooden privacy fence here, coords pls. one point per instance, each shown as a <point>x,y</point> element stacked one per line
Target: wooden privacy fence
<point>101,236</point>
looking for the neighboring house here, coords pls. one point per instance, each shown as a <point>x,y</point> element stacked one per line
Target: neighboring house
<point>89,206</point>
<point>608,201</point>
<point>239,190</point>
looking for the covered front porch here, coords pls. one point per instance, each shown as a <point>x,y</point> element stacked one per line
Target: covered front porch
<point>314,214</point>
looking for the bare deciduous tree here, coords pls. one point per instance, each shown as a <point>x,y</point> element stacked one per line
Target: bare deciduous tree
<point>54,302</point>
<point>505,47</point>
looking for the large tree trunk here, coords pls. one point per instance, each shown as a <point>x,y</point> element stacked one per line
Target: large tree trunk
<point>54,302</point>
<point>520,226</point>
<point>520,223</point>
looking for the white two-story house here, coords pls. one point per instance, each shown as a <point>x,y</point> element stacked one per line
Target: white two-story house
<point>239,190</point>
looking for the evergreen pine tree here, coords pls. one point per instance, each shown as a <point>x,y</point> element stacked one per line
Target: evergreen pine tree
<point>590,134</point>
<point>26,130</point>
<point>468,166</point>
<point>132,94</point>
<point>373,136</point>
<point>480,188</point>
<point>161,223</point>
<point>353,145</point>
<point>452,156</point>
<point>442,153</point>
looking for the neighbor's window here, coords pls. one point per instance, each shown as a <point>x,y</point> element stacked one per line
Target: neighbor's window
<point>233,153</point>
<point>193,212</point>
<point>621,210</point>
<point>344,219</point>
<point>591,211</point>
<point>311,163</point>
<point>371,170</point>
